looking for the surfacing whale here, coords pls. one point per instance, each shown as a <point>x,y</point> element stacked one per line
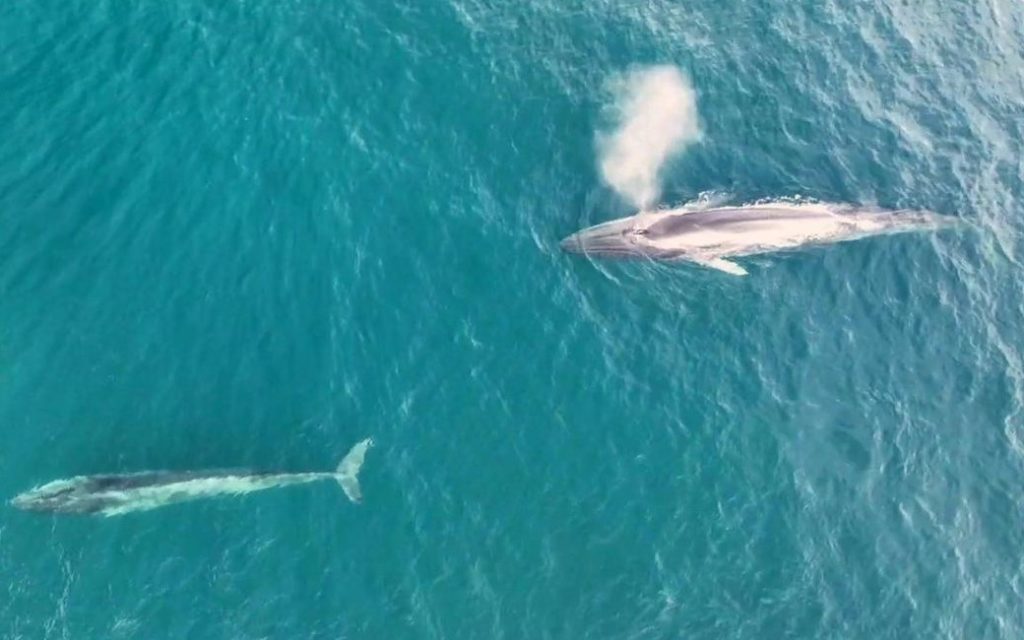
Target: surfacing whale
<point>117,494</point>
<point>711,237</point>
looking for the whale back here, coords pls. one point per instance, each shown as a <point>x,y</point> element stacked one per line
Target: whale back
<point>731,218</point>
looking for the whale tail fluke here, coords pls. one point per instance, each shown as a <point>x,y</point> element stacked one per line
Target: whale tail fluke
<point>348,470</point>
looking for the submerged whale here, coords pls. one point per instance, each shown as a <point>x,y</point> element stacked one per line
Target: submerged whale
<point>711,237</point>
<point>112,495</point>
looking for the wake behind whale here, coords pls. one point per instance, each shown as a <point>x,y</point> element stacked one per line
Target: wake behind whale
<point>117,494</point>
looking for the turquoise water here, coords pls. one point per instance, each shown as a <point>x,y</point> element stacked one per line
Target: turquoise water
<point>251,234</point>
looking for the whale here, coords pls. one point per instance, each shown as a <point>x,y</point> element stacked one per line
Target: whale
<point>714,236</point>
<point>118,494</point>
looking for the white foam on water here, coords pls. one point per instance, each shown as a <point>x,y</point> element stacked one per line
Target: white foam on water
<point>656,109</point>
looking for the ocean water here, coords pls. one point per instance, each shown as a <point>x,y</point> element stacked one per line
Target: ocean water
<point>253,233</point>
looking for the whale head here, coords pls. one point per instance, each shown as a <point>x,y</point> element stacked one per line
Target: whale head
<point>637,236</point>
<point>620,238</point>
<point>49,497</point>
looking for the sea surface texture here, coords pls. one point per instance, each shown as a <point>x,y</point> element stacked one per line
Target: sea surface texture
<point>251,234</point>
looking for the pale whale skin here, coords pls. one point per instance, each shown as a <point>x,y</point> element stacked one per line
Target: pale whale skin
<point>710,237</point>
<point>116,494</point>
